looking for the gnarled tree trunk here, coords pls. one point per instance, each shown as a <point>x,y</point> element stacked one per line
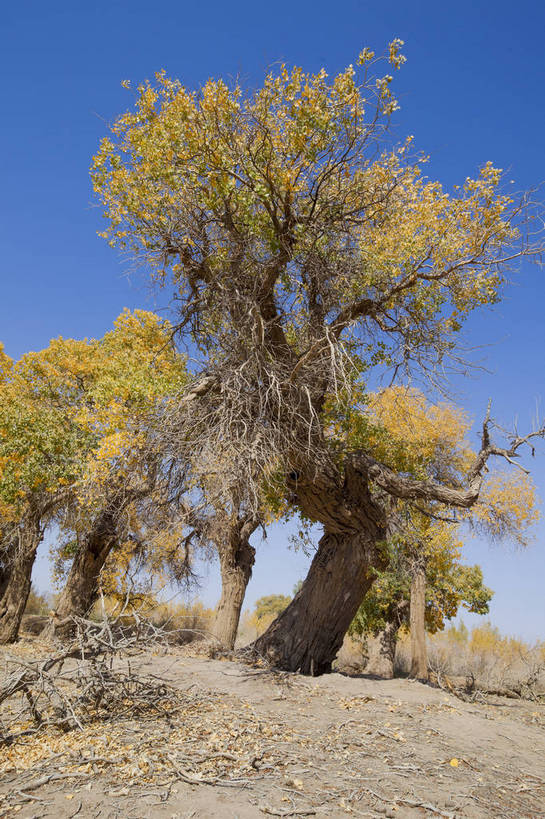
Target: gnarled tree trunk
<point>236,564</point>
<point>18,579</point>
<point>5,567</point>
<point>307,635</point>
<point>80,590</point>
<point>419,654</point>
<point>381,652</point>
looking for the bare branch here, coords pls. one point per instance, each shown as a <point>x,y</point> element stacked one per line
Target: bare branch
<point>407,488</point>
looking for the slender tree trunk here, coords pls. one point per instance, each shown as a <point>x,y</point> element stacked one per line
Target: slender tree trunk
<point>419,654</point>
<point>236,563</point>
<point>382,649</point>
<point>17,585</point>
<point>81,588</point>
<point>308,634</point>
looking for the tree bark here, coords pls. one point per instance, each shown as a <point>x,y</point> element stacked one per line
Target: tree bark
<point>18,579</point>
<point>419,654</point>
<point>4,578</point>
<point>81,588</point>
<point>236,563</point>
<point>308,634</point>
<point>381,652</point>
<point>5,567</point>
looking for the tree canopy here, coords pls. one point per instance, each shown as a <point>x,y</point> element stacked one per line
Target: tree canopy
<point>304,246</point>
<point>449,585</point>
<point>69,413</point>
<point>75,445</point>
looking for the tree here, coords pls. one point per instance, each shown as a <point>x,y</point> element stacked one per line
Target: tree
<point>236,556</point>
<point>41,443</point>
<point>220,523</point>
<point>156,550</point>
<point>447,585</point>
<point>266,609</point>
<point>132,367</point>
<point>304,249</point>
<point>424,581</point>
<point>72,424</point>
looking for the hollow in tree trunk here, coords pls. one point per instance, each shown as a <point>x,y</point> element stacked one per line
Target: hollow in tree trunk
<point>81,588</point>
<point>17,585</point>
<point>381,652</point>
<point>236,562</point>
<point>419,654</point>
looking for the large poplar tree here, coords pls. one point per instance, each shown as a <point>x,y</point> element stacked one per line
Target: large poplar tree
<point>305,248</point>
<point>41,448</point>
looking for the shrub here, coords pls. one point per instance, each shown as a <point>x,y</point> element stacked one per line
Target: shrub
<point>37,603</point>
<point>185,623</point>
<point>484,655</point>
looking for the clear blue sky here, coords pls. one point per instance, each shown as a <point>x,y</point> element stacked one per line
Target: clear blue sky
<point>472,90</point>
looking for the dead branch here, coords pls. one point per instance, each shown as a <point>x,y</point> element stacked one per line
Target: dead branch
<point>407,488</point>
<point>81,683</point>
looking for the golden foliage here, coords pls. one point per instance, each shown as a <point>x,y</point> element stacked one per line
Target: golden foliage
<point>401,428</point>
<point>71,413</point>
<point>184,172</point>
<point>507,507</point>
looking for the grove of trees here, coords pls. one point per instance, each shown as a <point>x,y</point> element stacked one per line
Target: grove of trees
<point>311,260</point>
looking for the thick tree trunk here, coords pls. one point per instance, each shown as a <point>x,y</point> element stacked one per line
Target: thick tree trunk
<point>308,634</point>
<point>381,652</point>
<point>4,578</point>
<point>419,654</point>
<point>236,563</point>
<point>18,580</point>
<point>5,569</point>
<point>310,631</point>
<point>81,588</point>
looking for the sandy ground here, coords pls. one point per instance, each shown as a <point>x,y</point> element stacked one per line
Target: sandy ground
<point>246,742</point>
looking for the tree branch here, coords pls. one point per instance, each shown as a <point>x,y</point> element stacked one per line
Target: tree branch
<point>407,488</point>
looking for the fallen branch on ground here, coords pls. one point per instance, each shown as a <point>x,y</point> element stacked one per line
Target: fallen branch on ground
<point>80,683</point>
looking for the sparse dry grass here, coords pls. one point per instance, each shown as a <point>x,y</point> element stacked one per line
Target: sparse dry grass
<point>481,658</point>
<point>482,654</point>
<point>184,622</point>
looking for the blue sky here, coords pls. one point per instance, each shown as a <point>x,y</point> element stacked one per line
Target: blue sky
<point>472,90</point>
